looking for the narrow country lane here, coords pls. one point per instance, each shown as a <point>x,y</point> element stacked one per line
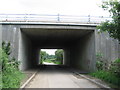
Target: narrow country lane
<point>57,77</point>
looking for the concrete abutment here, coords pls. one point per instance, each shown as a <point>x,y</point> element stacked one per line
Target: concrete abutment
<point>79,42</point>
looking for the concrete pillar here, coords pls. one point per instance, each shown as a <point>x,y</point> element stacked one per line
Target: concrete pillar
<point>35,56</point>
<point>25,49</point>
<point>66,57</point>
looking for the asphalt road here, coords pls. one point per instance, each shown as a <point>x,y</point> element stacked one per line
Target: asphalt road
<point>58,77</point>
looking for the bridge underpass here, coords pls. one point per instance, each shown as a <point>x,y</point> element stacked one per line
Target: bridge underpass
<point>80,43</point>
<point>78,46</point>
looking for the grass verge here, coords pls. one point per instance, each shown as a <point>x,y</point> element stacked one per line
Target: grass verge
<point>111,79</point>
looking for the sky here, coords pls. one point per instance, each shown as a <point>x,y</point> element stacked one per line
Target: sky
<point>64,7</point>
<point>49,51</point>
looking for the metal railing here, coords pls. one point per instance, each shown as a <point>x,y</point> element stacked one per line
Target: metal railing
<point>52,18</point>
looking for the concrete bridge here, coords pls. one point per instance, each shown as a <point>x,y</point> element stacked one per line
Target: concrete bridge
<point>80,42</point>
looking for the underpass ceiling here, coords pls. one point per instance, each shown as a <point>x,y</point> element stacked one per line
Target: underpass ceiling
<point>54,37</point>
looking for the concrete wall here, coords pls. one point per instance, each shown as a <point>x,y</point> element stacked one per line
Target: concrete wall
<point>28,52</point>
<point>25,51</point>
<point>66,57</point>
<point>107,46</point>
<point>82,54</point>
<point>35,56</point>
<point>10,33</point>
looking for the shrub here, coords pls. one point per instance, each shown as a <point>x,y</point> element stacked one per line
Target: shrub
<point>11,75</point>
<point>111,75</point>
<point>6,47</point>
<point>101,62</point>
<point>99,65</point>
<point>115,67</point>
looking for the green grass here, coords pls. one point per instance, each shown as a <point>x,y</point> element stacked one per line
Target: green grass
<point>48,60</point>
<point>117,61</point>
<point>57,62</point>
<point>52,61</point>
<point>107,77</point>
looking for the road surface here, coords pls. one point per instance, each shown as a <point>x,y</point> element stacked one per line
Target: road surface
<point>58,77</point>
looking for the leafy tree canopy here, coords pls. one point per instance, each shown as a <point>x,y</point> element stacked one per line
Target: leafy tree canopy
<point>59,54</point>
<point>112,27</point>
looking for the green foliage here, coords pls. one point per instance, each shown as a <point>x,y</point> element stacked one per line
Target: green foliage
<point>11,75</point>
<point>112,27</point>
<point>111,74</point>
<point>51,56</point>
<point>57,62</point>
<point>6,47</point>
<point>107,76</point>
<point>115,67</point>
<point>100,63</point>
<point>43,56</point>
<point>49,61</point>
<point>99,56</point>
<point>56,59</point>
<point>117,61</point>
<point>59,55</point>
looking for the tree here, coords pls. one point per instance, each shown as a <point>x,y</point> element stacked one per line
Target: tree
<point>43,56</point>
<point>59,55</point>
<point>51,57</point>
<point>112,27</point>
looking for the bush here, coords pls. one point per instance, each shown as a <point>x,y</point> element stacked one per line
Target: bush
<point>6,47</point>
<point>111,74</point>
<point>99,65</point>
<point>11,75</point>
<point>115,67</point>
<point>101,62</point>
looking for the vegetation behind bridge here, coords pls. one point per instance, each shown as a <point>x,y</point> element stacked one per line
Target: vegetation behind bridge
<point>56,59</point>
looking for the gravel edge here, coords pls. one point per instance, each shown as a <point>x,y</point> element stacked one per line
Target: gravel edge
<point>23,86</point>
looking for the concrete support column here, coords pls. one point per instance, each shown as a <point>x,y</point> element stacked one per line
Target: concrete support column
<point>35,56</point>
<point>66,57</point>
<point>25,50</point>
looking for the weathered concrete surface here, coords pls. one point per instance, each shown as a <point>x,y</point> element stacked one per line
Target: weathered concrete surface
<point>25,51</point>
<point>83,54</point>
<point>107,46</point>
<point>56,77</point>
<point>10,33</point>
<point>79,42</point>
